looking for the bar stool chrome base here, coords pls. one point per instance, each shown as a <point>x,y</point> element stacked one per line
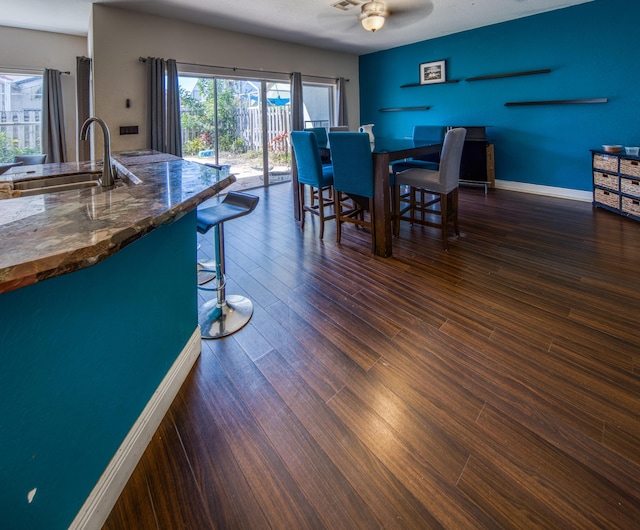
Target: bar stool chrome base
<point>206,271</point>
<point>218,320</point>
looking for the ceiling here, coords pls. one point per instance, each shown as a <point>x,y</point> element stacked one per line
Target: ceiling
<point>312,22</point>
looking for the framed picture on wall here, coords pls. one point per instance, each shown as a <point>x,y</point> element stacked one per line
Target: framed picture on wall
<point>433,72</point>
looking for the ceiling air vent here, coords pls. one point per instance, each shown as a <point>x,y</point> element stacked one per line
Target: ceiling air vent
<point>345,5</point>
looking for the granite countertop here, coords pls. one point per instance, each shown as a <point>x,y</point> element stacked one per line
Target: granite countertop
<point>43,236</point>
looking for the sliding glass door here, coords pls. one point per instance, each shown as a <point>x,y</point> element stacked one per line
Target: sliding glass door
<point>245,124</point>
<point>239,123</point>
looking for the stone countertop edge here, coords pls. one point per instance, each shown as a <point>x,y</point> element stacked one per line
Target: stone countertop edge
<point>71,230</point>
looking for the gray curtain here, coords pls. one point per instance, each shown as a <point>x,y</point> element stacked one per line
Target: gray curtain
<point>342,102</point>
<point>297,124</point>
<point>174,135</point>
<point>163,123</point>
<point>297,108</point>
<point>156,105</point>
<point>83,86</point>
<point>53,139</point>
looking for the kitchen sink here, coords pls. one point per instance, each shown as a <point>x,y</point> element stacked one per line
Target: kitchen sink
<point>54,184</point>
<point>60,183</point>
<point>141,152</point>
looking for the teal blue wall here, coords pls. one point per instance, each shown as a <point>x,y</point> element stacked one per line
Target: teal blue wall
<point>592,50</point>
<point>81,355</point>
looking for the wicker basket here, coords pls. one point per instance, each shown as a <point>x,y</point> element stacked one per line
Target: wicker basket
<point>607,197</point>
<point>630,167</point>
<point>630,186</point>
<point>605,180</point>
<point>606,163</point>
<point>631,206</point>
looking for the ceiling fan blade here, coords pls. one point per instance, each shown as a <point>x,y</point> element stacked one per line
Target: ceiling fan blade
<point>407,12</point>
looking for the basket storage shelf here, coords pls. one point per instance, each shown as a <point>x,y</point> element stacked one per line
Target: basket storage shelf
<point>616,183</point>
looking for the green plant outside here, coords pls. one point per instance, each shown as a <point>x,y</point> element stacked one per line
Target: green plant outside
<point>9,149</point>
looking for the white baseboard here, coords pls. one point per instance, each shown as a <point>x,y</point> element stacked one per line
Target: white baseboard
<point>549,191</point>
<point>96,508</point>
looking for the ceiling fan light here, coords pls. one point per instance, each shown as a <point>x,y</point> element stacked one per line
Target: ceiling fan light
<point>373,22</point>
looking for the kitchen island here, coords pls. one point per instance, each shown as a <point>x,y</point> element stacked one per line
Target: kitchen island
<point>46,235</point>
<point>98,305</point>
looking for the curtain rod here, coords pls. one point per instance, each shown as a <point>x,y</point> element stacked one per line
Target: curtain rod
<point>235,69</point>
<point>20,69</point>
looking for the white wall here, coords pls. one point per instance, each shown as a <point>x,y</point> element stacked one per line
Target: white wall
<point>120,37</point>
<point>37,50</point>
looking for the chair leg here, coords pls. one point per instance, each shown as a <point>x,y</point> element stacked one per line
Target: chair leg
<point>372,219</point>
<point>338,208</point>
<point>412,204</point>
<point>321,211</point>
<point>302,214</point>
<point>444,201</point>
<point>455,212</point>
<point>396,210</point>
<point>312,196</point>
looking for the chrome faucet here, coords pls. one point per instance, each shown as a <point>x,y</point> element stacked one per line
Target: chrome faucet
<point>107,171</point>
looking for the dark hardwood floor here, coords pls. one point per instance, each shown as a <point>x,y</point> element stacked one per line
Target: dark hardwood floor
<point>496,385</point>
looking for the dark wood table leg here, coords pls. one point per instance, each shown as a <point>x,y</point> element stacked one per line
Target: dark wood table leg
<point>382,206</point>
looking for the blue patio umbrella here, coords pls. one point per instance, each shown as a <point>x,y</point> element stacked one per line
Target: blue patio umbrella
<point>279,101</point>
<point>275,98</point>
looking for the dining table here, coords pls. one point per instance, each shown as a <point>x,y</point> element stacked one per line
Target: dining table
<point>385,151</point>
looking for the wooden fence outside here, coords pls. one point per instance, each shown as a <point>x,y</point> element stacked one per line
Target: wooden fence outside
<point>248,123</point>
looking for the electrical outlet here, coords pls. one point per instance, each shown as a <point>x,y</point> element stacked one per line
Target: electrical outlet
<point>129,129</point>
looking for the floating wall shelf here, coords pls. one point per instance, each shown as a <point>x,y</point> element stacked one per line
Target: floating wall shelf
<point>513,74</point>
<point>555,102</point>
<point>399,109</point>
<point>430,84</point>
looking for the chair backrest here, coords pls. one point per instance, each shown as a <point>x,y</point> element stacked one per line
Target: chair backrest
<point>305,148</point>
<point>450,158</point>
<point>433,133</point>
<point>321,135</point>
<point>30,160</point>
<point>352,163</point>
<point>6,167</point>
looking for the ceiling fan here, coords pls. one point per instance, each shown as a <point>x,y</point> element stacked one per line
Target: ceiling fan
<point>374,13</point>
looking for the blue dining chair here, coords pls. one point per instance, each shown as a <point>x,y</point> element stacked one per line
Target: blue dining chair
<point>353,182</point>
<point>323,143</point>
<point>423,133</point>
<point>430,188</point>
<point>315,175</point>
<point>30,160</point>
<point>321,136</point>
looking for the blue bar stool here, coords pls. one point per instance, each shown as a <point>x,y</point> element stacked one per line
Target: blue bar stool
<point>224,314</point>
<point>207,268</point>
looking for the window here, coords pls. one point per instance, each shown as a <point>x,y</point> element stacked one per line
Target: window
<point>20,114</point>
<point>318,105</point>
